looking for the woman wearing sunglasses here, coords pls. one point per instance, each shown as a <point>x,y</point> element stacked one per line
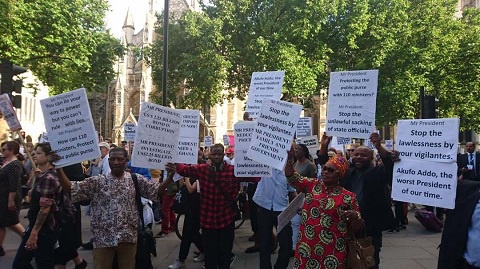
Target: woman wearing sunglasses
<point>327,212</point>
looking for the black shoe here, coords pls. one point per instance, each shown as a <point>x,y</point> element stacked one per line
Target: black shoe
<point>82,265</point>
<point>252,249</point>
<point>2,251</point>
<point>87,246</point>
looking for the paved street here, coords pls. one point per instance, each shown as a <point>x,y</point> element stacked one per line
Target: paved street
<point>414,248</point>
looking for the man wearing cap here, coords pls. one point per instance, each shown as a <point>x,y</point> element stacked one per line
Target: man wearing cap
<point>104,150</point>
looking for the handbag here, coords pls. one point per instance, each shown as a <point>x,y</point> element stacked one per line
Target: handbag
<point>360,252</point>
<point>146,244</point>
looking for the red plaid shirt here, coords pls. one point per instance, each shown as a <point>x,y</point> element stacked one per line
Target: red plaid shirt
<point>215,211</point>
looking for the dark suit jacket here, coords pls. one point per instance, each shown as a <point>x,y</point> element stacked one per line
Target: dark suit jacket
<point>377,211</point>
<point>462,161</point>
<point>455,231</point>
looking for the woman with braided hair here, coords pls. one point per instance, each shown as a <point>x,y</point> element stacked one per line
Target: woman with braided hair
<point>326,213</point>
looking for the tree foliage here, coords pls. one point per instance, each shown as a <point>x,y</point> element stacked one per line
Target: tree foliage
<point>413,43</point>
<point>63,43</point>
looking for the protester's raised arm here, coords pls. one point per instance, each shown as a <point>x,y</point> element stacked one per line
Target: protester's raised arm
<point>64,181</point>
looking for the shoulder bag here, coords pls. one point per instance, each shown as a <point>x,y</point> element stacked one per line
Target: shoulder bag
<point>146,244</point>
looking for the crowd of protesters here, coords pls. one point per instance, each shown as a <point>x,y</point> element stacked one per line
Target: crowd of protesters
<point>344,193</point>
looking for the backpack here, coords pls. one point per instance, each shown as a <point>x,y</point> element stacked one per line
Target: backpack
<point>181,201</point>
<point>65,213</point>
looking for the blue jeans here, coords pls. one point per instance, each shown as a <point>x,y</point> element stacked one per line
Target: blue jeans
<point>43,254</point>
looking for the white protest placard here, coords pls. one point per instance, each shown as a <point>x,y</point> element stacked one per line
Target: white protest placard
<point>304,127</point>
<point>274,130</point>
<point>9,114</point>
<point>226,140</point>
<point>244,166</point>
<point>263,85</point>
<point>351,103</point>
<point>43,138</point>
<point>187,150</point>
<point>312,144</point>
<point>389,145</point>
<point>129,129</point>
<point>70,128</point>
<point>157,135</point>
<point>426,183</point>
<point>428,139</point>
<point>208,140</point>
<point>343,140</point>
<point>287,215</point>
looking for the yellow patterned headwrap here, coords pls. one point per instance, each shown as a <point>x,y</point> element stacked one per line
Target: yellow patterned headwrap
<point>341,164</point>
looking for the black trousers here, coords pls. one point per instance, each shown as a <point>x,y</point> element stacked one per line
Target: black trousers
<point>191,234</point>
<point>399,215</point>
<point>43,254</point>
<point>377,244</point>
<point>251,188</point>
<point>218,245</point>
<point>266,220</point>
<point>68,244</point>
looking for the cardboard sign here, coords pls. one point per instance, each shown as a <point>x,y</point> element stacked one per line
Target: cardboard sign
<point>244,166</point>
<point>208,140</point>
<point>351,103</point>
<point>425,183</point>
<point>428,139</point>
<point>70,127</point>
<point>389,145</point>
<point>187,150</point>
<point>157,135</point>
<point>287,215</point>
<point>304,127</point>
<point>226,140</point>
<point>312,144</point>
<point>9,114</point>
<point>129,130</point>
<point>263,85</point>
<point>274,130</point>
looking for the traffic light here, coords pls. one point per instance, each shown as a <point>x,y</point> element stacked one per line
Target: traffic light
<point>8,70</point>
<point>430,107</point>
<point>16,95</point>
<point>7,75</point>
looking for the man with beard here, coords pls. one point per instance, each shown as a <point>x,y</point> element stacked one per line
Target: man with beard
<point>218,188</point>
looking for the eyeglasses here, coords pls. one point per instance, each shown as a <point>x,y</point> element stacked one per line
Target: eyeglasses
<point>329,169</point>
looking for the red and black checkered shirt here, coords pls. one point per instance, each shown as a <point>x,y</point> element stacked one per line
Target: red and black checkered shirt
<point>215,211</point>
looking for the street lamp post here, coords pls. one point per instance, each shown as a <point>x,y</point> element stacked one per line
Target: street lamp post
<point>165,52</point>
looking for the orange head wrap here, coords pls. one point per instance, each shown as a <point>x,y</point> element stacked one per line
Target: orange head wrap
<point>341,165</point>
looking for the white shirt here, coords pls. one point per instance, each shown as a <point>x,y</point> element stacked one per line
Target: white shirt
<point>104,165</point>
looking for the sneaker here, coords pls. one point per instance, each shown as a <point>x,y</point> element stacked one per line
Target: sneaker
<point>177,264</point>
<point>199,258</point>
<point>232,258</point>
<point>2,251</point>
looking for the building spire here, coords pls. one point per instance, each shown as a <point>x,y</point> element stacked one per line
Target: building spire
<point>128,20</point>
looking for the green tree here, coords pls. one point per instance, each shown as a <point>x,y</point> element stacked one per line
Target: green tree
<point>63,43</point>
<point>413,43</point>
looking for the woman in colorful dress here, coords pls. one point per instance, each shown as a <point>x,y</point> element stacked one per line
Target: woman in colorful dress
<point>327,214</point>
